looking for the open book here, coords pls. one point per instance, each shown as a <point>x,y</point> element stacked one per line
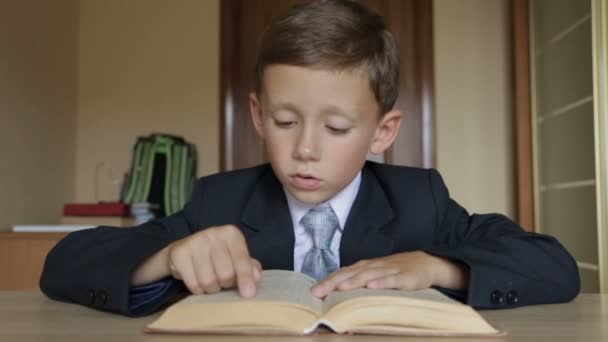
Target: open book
<point>284,305</point>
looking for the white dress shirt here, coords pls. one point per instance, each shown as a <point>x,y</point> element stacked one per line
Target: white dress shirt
<point>340,203</point>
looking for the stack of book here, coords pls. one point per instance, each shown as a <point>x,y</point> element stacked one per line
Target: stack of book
<point>77,216</point>
<point>113,214</point>
<point>144,212</point>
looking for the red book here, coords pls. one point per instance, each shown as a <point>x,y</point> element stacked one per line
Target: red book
<point>97,209</point>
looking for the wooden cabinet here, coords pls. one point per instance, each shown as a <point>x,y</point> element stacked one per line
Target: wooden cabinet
<point>562,110</point>
<point>22,257</point>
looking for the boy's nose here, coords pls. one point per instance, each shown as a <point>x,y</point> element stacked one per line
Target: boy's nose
<point>307,147</point>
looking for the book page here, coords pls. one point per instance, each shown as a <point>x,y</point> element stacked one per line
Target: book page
<point>426,312</point>
<point>337,297</point>
<point>275,286</point>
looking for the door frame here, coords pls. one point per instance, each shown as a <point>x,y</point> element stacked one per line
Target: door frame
<point>524,169</point>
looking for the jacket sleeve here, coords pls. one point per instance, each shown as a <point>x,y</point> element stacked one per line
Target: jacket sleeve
<point>93,267</point>
<point>508,266</point>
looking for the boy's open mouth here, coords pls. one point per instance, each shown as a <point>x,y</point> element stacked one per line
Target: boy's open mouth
<point>305,182</point>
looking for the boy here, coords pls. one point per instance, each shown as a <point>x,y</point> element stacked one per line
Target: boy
<point>326,82</point>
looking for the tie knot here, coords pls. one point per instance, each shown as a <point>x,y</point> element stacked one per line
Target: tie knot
<point>321,223</point>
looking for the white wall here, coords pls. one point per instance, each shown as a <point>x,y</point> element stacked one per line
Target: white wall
<point>474,103</point>
<point>38,58</point>
<point>145,66</point>
<point>49,152</point>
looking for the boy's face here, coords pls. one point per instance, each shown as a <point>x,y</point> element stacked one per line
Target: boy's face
<point>318,127</point>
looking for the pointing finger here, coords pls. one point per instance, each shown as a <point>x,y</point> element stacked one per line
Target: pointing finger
<point>243,268</point>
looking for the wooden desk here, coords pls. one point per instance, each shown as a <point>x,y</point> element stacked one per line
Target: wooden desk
<point>30,316</point>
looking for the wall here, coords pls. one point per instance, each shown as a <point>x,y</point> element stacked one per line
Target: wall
<point>38,55</point>
<point>474,103</point>
<point>145,66</point>
<point>124,72</point>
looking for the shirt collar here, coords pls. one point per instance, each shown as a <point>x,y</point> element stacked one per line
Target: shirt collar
<point>340,203</point>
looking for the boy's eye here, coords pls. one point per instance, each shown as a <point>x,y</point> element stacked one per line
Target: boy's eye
<point>337,131</point>
<point>284,124</point>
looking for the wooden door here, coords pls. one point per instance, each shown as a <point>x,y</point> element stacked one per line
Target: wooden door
<point>410,22</point>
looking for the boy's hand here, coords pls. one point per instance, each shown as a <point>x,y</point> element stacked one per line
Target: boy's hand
<point>407,271</point>
<point>214,259</point>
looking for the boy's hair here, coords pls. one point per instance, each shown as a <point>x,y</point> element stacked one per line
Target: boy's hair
<point>334,35</point>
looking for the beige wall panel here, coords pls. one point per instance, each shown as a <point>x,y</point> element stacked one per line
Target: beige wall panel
<point>145,66</point>
<point>570,216</point>
<point>38,59</point>
<point>550,16</point>
<point>589,281</point>
<point>474,102</point>
<point>564,71</point>
<point>567,152</point>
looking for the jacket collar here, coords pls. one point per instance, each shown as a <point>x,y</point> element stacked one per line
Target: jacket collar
<point>267,214</point>
<point>363,236</point>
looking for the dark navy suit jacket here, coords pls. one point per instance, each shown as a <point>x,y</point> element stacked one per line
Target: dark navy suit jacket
<point>397,209</point>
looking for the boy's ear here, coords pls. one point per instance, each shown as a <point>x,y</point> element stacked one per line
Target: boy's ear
<point>386,132</point>
<point>255,107</point>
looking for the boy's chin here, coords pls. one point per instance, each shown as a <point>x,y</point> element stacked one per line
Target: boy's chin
<point>310,197</point>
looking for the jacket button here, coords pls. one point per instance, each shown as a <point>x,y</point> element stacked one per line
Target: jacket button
<point>89,297</point>
<point>101,298</point>
<point>512,297</point>
<point>496,297</point>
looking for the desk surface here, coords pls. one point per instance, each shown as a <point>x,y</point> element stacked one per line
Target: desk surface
<point>30,316</point>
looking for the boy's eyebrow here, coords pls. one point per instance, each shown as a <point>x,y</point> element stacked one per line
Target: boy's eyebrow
<point>331,109</point>
<point>328,109</point>
<point>283,105</point>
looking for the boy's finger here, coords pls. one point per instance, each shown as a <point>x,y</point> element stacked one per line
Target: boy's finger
<point>364,276</point>
<point>174,272</point>
<point>222,266</point>
<point>394,281</point>
<point>243,268</point>
<point>205,273</point>
<point>257,270</point>
<point>186,272</point>
<point>257,274</point>
<point>326,286</point>
<point>256,263</point>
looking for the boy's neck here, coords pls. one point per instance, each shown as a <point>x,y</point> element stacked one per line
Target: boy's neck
<point>341,202</point>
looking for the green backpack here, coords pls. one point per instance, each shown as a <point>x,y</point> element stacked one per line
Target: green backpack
<point>163,172</point>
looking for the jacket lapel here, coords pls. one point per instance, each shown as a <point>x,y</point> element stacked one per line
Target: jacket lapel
<point>363,236</point>
<point>269,229</point>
